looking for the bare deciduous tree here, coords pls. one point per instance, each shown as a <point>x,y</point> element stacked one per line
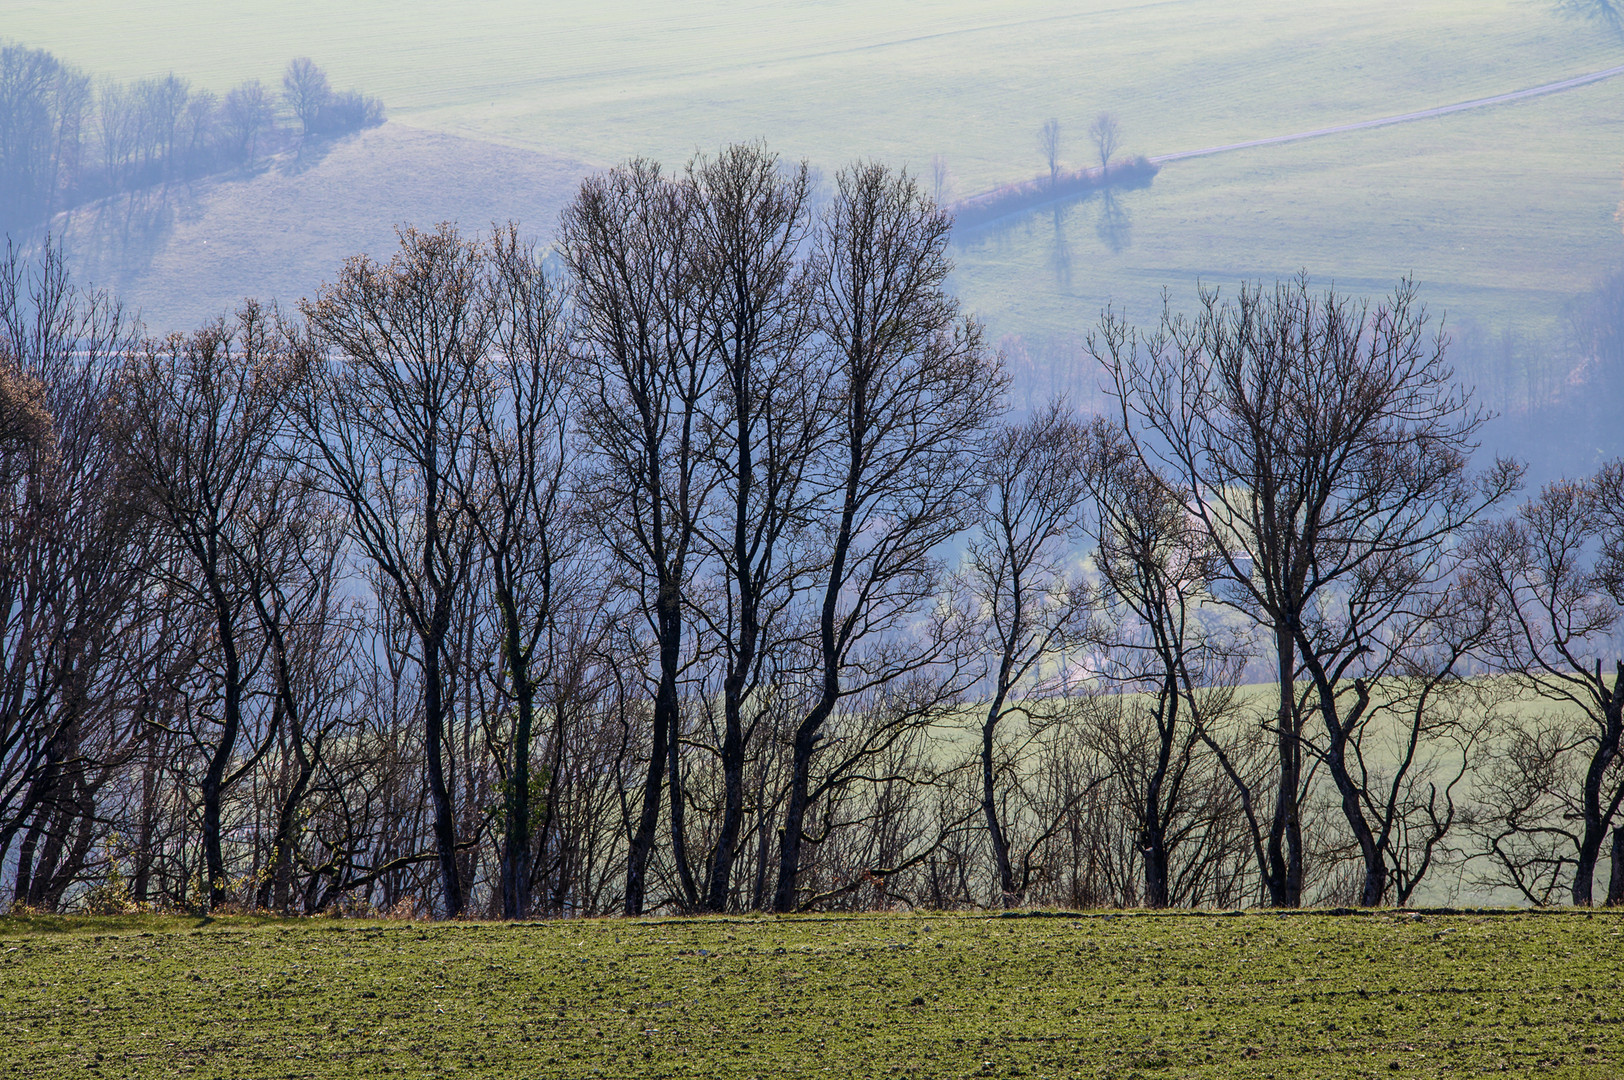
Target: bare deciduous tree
<point>1049,143</point>
<point>306,90</point>
<point>205,416</point>
<point>388,416</point>
<point>1033,610</point>
<point>647,377</point>
<point>767,415</point>
<point>1555,785</point>
<point>1323,447</point>
<point>524,517</point>
<point>248,116</point>
<point>912,386</point>
<point>1106,135</point>
<point>71,551</point>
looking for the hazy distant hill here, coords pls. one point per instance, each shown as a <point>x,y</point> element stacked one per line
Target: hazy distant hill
<point>184,253</point>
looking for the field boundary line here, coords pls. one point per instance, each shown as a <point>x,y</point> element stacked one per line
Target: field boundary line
<point>1400,118</point>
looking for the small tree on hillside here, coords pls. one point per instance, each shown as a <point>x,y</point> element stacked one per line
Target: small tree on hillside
<point>1106,134</point>
<point>1049,141</point>
<point>305,87</point>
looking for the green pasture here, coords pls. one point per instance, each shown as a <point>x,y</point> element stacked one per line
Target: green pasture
<point>1119,995</point>
<point>1502,214</point>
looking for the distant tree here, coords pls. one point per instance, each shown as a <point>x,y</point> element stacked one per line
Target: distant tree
<point>163,106</point>
<point>1049,143</point>
<point>42,106</point>
<point>306,90</point>
<point>118,130</point>
<point>1106,135</point>
<point>348,111</point>
<point>940,178</point>
<point>199,129</point>
<point>249,116</point>
<point>1609,13</point>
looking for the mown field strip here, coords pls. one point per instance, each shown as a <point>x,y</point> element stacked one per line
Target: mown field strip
<point>1253,995</point>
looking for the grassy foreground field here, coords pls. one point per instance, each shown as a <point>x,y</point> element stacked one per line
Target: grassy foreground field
<point>1253,995</point>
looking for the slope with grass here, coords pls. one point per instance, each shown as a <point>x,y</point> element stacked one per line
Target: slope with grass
<point>1256,995</point>
<point>1502,212</point>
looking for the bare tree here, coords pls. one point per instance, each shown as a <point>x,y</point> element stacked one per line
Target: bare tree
<point>1106,135</point>
<point>306,90</point>
<point>71,549</point>
<point>205,412</point>
<point>1323,447</point>
<point>912,386</point>
<point>1157,564</point>
<point>941,179</point>
<point>1555,784</point>
<point>1033,609</point>
<point>1049,143</point>
<point>389,420</point>
<point>525,517</point>
<point>751,225</point>
<point>647,376</point>
<point>248,116</point>
<point>42,107</point>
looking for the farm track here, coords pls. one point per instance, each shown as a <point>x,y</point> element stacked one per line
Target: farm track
<point>1402,118</point>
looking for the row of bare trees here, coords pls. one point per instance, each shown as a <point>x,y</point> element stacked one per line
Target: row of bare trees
<point>66,139</point>
<point>705,572</point>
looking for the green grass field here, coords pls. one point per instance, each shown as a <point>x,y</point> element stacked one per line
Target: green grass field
<point>1132,995</point>
<point>1501,213</point>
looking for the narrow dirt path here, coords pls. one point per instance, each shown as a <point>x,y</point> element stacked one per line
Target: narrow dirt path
<point>1402,118</point>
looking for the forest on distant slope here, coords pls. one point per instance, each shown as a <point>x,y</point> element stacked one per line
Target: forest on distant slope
<point>67,138</point>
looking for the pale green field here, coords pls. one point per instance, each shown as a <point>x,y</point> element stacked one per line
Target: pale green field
<point>1500,213</point>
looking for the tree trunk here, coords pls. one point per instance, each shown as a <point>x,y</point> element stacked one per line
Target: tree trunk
<point>445,835</point>
<point>516,842</point>
<point>727,840</point>
<point>277,891</point>
<point>25,857</point>
<point>989,809</point>
<point>1285,871</point>
<point>1596,817</point>
<point>142,882</point>
<point>1375,882</point>
<point>789,841</point>
<point>679,843</point>
<point>665,729</point>
<point>214,777</point>
<point>1615,879</point>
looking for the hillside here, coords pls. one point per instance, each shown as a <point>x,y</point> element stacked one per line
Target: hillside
<point>185,253</point>
<point>1503,214</point>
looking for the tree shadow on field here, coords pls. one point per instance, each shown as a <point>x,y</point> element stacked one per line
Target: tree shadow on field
<point>1060,250</point>
<point>120,236</point>
<point>1114,226</point>
<point>312,151</point>
<point>1609,13</point>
